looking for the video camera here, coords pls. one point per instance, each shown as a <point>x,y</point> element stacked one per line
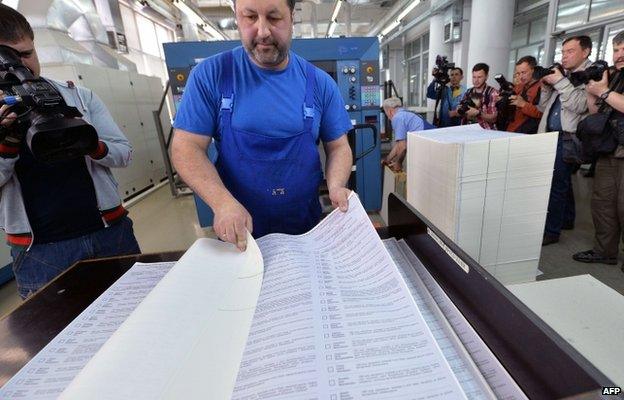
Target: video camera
<point>441,70</point>
<point>539,72</point>
<point>53,130</point>
<point>592,73</point>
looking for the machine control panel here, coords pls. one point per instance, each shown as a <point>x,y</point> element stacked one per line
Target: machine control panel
<point>369,81</point>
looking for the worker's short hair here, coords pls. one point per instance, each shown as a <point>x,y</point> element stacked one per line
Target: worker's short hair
<point>291,4</point>
<point>618,39</point>
<point>14,26</point>
<point>392,102</point>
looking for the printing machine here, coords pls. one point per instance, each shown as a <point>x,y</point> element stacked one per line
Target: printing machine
<point>541,363</point>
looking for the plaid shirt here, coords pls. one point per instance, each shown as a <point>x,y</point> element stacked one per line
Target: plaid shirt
<point>487,106</point>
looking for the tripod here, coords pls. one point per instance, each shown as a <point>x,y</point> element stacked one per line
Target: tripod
<point>437,111</point>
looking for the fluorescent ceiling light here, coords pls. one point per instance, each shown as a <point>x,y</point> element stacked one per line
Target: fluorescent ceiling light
<point>334,16</point>
<point>399,17</point>
<point>195,18</point>
<point>407,10</point>
<point>390,27</point>
<point>331,29</point>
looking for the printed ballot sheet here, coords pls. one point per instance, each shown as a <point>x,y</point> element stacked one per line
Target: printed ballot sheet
<point>336,321</point>
<point>57,364</point>
<point>186,339</point>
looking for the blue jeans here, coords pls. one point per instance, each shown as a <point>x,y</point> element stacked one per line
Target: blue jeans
<point>561,207</point>
<point>43,262</point>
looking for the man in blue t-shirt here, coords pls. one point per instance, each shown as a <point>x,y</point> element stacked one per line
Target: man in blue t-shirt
<point>403,121</point>
<point>266,108</point>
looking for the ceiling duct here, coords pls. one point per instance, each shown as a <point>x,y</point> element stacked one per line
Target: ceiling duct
<point>70,31</point>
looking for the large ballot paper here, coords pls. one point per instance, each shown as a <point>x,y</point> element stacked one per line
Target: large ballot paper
<point>324,315</point>
<point>487,191</point>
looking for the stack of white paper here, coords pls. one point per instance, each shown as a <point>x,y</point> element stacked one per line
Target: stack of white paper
<point>486,190</point>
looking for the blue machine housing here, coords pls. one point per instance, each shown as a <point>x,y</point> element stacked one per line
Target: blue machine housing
<point>352,62</point>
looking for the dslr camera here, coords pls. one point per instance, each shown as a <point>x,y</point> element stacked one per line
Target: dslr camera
<point>505,110</point>
<point>53,130</point>
<point>592,73</point>
<point>441,70</point>
<point>539,72</point>
<point>465,105</point>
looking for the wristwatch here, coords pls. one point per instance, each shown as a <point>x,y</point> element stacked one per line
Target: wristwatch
<point>604,96</point>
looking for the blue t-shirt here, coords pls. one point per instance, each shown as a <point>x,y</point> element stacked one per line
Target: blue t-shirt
<point>266,102</point>
<point>405,121</point>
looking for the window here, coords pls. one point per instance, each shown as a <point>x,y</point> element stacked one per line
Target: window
<point>571,13</point>
<point>417,61</point>
<point>130,28</point>
<point>145,36</point>
<point>601,9</point>
<point>575,13</point>
<point>527,39</point>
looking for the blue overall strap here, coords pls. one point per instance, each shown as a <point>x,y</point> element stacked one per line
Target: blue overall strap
<point>308,106</point>
<point>226,87</point>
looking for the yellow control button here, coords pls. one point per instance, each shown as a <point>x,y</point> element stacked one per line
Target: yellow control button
<point>369,69</point>
<point>180,77</point>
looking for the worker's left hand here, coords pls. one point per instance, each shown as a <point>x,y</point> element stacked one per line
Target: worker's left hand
<point>339,197</point>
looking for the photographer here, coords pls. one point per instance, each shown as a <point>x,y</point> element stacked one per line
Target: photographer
<point>563,106</point>
<point>527,116</point>
<point>607,204</point>
<point>451,95</point>
<point>479,102</point>
<point>56,214</point>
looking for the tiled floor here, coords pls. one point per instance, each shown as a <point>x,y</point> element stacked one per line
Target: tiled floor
<point>163,223</point>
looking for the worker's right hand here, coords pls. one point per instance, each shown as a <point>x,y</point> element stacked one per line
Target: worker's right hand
<point>9,119</point>
<point>231,223</point>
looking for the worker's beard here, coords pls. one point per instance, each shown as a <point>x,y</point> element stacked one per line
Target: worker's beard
<point>268,53</point>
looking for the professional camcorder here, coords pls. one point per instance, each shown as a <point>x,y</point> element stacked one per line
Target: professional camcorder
<point>539,72</point>
<point>441,70</point>
<point>53,130</point>
<point>592,73</point>
<point>505,110</point>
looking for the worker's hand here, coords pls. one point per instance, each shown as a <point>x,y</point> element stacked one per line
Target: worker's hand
<point>395,167</point>
<point>339,197</point>
<point>231,223</point>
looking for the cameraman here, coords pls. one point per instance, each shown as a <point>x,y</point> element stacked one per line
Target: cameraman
<point>59,213</point>
<point>563,106</point>
<point>607,203</point>
<point>450,97</point>
<point>479,102</point>
<point>527,93</point>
